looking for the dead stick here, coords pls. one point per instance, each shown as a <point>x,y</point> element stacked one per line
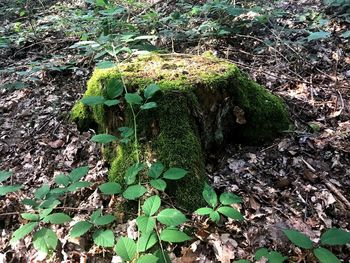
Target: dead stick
<point>336,192</point>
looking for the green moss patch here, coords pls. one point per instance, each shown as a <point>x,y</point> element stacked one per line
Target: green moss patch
<point>204,103</point>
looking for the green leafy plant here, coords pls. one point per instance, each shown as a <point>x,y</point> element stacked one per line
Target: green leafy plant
<point>221,206</point>
<point>332,237</point>
<point>5,189</point>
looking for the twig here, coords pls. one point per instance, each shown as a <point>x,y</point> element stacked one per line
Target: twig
<point>332,188</point>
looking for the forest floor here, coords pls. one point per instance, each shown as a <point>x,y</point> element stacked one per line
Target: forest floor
<point>299,181</point>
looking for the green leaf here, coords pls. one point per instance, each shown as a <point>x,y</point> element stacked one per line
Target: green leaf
<point>229,199</point>
<point>29,202</point>
<point>346,34</point>
<point>159,184</point>
<point>78,173</point>
<point>276,257</point>
<point>135,191</point>
<point>93,100</point>
<point>148,258</point>
<point>174,173</point>
<point>261,252</point>
<point>151,205</point>
<point>132,172</point>
<point>58,191</point>
<point>103,138</point>
<point>80,229</point>
<point>335,236</point>
<point>203,211</point>
<point>62,180</point>
<point>75,186</point>
<point>111,102</point>
<point>148,105</point>
<point>156,170</point>
<point>209,195</point>
<point>96,214</point>
<point>57,218</point>
<point>171,217</point>
<point>114,88</point>
<point>147,240</point>
<point>150,90</point>
<point>325,256</point>
<point>49,203</point>
<point>4,175</point>
<point>45,240</point>
<point>105,64</point>
<point>45,212</point>
<point>110,188</point>
<point>230,212</point>
<point>173,236</point>
<point>8,189</point>
<point>318,35</point>
<point>162,256</point>
<point>103,238</point>
<point>104,220</point>
<point>133,98</point>
<point>214,216</point>
<point>298,239</point>
<point>125,248</point>
<point>145,224</point>
<point>242,261</point>
<point>126,132</point>
<point>23,231</point>
<point>41,192</point>
<point>30,217</point>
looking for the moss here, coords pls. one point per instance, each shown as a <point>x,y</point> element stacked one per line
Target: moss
<point>194,115</point>
<point>81,115</point>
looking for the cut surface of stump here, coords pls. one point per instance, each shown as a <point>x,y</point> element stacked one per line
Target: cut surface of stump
<point>203,104</point>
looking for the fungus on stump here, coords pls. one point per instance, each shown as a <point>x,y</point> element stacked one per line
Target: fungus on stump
<point>204,102</point>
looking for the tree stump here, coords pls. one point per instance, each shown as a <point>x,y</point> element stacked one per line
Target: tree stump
<point>204,103</point>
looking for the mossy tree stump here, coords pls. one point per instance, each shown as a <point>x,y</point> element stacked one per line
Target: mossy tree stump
<point>203,103</point>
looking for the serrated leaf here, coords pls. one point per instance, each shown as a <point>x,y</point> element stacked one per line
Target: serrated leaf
<point>214,216</point>
<point>133,98</point>
<point>93,100</point>
<point>173,236</point>
<point>318,35</point>
<point>114,88</point>
<point>203,211</point>
<point>230,212</point>
<point>148,258</point>
<point>156,170</point>
<point>96,214</point>
<point>335,236</point>
<point>125,248</point>
<point>75,186</point>
<point>148,105</point>
<point>105,64</point>
<point>80,229</point>
<point>45,240</point>
<point>4,175</point>
<point>209,195</point>
<point>111,102</point>
<point>62,180</point>
<point>145,224</point>
<point>325,256</point>
<point>41,192</point>
<point>9,189</point>
<point>298,239</point>
<point>132,172</point>
<point>151,205</point>
<point>150,90</point>
<point>146,241</point>
<point>104,138</point>
<point>229,199</point>
<point>171,217</point>
<point>159,184</point>
<point>174,173</point>
<point>30,217</point>
<point>57,218</point>
<point>103,238</point>
<point>110,188</point>
<point>135,191</point>
<point>23,231</point>
<point>104,220</point>
<point>76,174</point>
